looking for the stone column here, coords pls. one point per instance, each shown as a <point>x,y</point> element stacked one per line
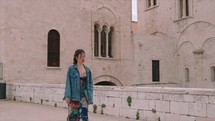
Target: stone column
<point>152,3</point>
<point>178,12</point>
<point>106,32</point>
<point>99,29</point>
<point>184,9</point>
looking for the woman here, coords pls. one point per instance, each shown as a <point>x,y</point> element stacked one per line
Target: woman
<point>79,88</point>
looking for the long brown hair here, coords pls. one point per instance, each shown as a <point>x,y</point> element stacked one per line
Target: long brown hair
<point>77,52</point>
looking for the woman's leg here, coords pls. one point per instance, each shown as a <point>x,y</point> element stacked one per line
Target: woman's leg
<point>84,114</point>
<point>73,111</point>
<point>84,109</point>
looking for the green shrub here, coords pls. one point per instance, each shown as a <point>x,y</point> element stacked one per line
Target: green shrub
<point>129,100</point>
<point>94,108</point>
<point>137,115</point>
<point>102,106</point>
<point>153,110</point>
<point>41,101</point>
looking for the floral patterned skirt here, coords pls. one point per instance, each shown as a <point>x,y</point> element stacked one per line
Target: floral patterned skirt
<point>78,111</point>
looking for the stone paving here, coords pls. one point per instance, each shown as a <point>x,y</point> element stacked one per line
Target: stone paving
<point>20,111</point>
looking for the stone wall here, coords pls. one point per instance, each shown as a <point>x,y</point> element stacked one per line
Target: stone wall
<point>45,94</point>
<point>152,103</point>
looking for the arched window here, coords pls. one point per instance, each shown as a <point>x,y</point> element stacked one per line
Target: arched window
<point>184,8</point>
<point>151,3</point>
<point>213,74</point>
<point>53,59</point>
<point>187,76</point>
<point>104,41</point>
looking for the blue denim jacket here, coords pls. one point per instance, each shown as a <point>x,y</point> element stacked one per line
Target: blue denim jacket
<point>72,88</point>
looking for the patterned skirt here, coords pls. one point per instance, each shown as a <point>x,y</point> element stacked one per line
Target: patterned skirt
<point>78,111</point>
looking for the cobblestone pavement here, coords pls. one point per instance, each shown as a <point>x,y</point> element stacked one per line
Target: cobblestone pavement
<point>20,111</point>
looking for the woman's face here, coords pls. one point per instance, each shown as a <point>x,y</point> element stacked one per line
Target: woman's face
<point>81,58</point>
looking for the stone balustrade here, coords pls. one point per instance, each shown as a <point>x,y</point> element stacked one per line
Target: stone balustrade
<point>147,103</point>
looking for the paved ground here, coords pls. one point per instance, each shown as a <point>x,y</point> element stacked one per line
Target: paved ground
<point>18,111</point>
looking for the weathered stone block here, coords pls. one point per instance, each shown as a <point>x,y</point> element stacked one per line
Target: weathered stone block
<point>189,98</point>
<point>114,102</point>
<point>152,104</point>
<point>179,107</point>
<point>128,112</point>
<point>167,97</point>
<point>125,94</point>
<point>211,99</point>
<point>178,97</point>
<point>201,99</point>
<point>210,110</point>
<point>197,109</point>
<point>141,95</point>
<point>115,111</point>
<point>204,119</point>
<point>163,106</point>
<point>153,96</point>
<point>140,104</point>
<point>172,117</point>
<point>148,116</point>
<point>114,93</point>
<point>57,98</point>
<point>187,118</point>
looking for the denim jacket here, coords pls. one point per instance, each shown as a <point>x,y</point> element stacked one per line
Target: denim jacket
<point>72,88</point>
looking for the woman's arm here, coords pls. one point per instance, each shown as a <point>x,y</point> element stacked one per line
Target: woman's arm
<point>91,89</point>
<point>68,90</point>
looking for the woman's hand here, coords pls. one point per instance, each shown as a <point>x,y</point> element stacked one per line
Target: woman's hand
<point>68,101</point>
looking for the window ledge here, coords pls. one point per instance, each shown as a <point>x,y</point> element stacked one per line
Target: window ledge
<point>152,7</point>
<point>53,68</point>
<point>181,19</point>
<point>105,58</point>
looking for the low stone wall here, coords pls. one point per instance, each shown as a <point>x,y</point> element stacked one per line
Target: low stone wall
<point>147,103</point>
<point>45,94</point>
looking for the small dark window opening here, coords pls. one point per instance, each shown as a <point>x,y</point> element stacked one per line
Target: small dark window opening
<point>53,48</point>
<point>181,9</point>
<point>155,2</point>
<point>96,41</point>
<point>155,71</point>
<point>149,3</point>
<point>187,75</point>
<point>187,7</point>
<point>105,83</point>
<point>110,39</point>
<point>213,74</point>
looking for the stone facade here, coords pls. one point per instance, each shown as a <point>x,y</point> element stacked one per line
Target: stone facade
<point>180,38</point>
<point>184,44</point>
<point>24,35</point>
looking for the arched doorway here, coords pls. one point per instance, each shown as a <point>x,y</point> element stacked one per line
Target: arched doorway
<point>105,83</point>
<point>107,80</point>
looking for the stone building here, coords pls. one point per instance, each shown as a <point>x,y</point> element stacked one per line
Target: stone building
<point>179,35</point>
<point>170,45</point>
